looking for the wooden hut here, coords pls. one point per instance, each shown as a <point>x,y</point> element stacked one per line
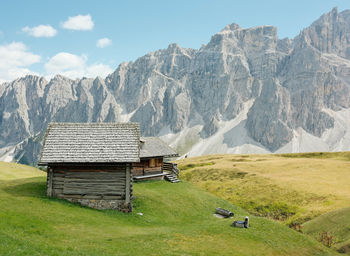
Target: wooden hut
<point>152,153</point>
<point>90,163</point>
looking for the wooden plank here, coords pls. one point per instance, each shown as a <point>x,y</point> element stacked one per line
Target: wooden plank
<point>112,197</point>
<point>95,181</point>
<point>159,162</point>
<point>109,166</point>
<point>153,169</point>
<point>82,182</point>
<point>57,185</point>
<point>93,187</point>
<point>137,165</point>
<point>92,179</point>
<point>87,185</point>
<point>85,190</point>
<point>90,176</point>
<point>96,187</point>
<point>97,177</point>
<point>151,173</point>
<point>92,190</point>
<point>94,174</point>
<point>56,180</point>
<point>67,184</point>
<point>49,181</point>
<point>82,196</point>
<point>131,185</point>
<point>92,193</point>
<point>56,191</point>
<point>148,176</point>
<point>58,175</point>
<point>137,168</point>
<point>127,183</point>
<point>137,172</point>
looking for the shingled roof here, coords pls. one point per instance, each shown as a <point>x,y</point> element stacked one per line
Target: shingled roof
<point>91,143</point>
<point>154,147</point>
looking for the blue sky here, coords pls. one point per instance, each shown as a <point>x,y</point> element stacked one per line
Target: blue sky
<point>38,36</point>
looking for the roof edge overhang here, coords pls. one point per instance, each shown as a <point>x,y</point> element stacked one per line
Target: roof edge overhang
<point>172,155</point>
<point>86,163</point>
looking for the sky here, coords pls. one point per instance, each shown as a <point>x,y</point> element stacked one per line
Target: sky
<point>88,38</point>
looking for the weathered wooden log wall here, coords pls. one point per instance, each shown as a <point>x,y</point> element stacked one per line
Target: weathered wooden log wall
<point>84,182</point>
<point>144,168</point>
<point>137,169</point>
<point>49,182</point>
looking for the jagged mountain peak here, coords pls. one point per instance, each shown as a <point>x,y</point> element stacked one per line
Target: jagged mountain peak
<point>231,27</point>
<point>234,39</point>
<point>30,79</point>
<point>328,34</point>
<point>236,29</point>
<point>327,17</point>
<point>59,77</point>
<point>173,46</point>
<point>245,91</point>
<point>99,80</point>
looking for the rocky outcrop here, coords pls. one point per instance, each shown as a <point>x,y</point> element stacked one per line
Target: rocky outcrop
<point>292,84</point>
<point>311,80</point>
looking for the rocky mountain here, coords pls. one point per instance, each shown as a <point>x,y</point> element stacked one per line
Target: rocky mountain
<point>246,91</point>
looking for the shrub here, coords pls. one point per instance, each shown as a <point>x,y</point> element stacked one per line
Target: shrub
<point>327,239</point>
<point>276,210</point>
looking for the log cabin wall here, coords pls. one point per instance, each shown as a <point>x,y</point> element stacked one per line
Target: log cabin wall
<point>90,163</point>
<point>101,187</point>
<point>148,166</point>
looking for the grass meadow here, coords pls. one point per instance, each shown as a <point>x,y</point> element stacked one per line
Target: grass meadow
<point>177,220</point>
<point>298,190</point>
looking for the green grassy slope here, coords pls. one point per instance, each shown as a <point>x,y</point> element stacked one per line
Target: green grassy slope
<point>177,220</point>
<point>336,224</point>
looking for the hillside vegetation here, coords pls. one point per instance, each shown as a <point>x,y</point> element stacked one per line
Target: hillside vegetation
<point>292,188</point>
<point>177,220</point>
<point>10,171</point>
<point>336,225</point>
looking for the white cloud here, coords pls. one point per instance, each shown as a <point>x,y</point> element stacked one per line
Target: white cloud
<point>79,22</point>
<point>101,70</point>
<point>40,31</point>
<point>65,62</point>
<point>74,66</point>
<point>103,42</point>
<point>15,60</point>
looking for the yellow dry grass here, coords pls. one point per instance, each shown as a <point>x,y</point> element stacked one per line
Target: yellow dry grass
<point>10,171</point>
<point>292,187</point>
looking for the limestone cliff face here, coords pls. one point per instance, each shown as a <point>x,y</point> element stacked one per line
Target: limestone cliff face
<point>329,34</point>
<point>313,76</point>
<point>28,104</point>
<point>289,84</point>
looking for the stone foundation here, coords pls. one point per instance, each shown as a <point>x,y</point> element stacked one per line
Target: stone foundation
<point>102,204</point>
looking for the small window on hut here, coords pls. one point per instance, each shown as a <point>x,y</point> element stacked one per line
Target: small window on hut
<point>152,162</point>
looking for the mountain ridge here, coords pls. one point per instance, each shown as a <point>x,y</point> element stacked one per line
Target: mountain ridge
<point>295,88</point>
